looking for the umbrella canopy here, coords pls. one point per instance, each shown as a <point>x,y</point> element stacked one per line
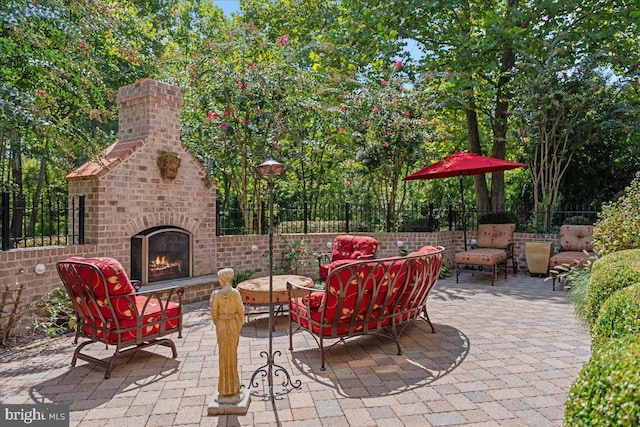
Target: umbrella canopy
<point>463,164</point>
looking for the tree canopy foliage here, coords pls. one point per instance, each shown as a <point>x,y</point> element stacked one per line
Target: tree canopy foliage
<point>554,84</point>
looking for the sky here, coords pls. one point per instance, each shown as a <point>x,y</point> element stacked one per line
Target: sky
<point>228,6</point>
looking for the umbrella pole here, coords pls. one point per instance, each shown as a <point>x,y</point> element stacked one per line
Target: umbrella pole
<point>464,219</point>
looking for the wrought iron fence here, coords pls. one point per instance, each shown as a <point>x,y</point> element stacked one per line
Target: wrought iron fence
<point>346,217</point>
<point>53,222</point>
<point>61,222</point>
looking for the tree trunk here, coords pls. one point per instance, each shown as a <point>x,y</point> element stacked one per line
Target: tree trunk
<point>500,126</point>
<point>36,198</point>
<point>480,183</point>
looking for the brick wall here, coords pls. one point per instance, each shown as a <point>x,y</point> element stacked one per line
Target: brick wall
<point>17,266</point>
<point>235,252</point>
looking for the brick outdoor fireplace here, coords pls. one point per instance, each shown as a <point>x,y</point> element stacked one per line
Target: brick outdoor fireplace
<point>148,203</point>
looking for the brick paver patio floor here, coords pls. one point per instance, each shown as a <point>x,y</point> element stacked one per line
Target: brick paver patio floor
<point>501,356</point>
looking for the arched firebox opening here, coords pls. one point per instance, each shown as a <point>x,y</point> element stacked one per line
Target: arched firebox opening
<point>161,253</point>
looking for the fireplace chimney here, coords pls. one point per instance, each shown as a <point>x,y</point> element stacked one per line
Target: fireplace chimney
<point>149,108</point>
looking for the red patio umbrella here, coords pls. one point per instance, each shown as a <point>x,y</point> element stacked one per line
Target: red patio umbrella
<point>463,164</point>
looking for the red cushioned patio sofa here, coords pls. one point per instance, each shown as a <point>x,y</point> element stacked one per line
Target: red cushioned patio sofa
<point>378,296</point>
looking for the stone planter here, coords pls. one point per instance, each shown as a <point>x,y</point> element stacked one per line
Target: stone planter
<point>538,255</point>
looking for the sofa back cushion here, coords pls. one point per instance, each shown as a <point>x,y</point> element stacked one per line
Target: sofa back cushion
<point>353,247</point>
<point>576,238</point>
<point>497,236</point>
<point>422,274</point>
<point>350,289</point>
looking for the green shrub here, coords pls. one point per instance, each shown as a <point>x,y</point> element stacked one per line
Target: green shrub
<point>241,276</point>
<point>498,218</point>
<point>61,316</point>
<point>295,255</point>
<point>574,278</point>
<point>607,390</point>
<point>420,224</point>
<point>619,316</point>
<point>577,220</point>
<point>576,281</point>
<point>610,273</point>
<point>617,226</point>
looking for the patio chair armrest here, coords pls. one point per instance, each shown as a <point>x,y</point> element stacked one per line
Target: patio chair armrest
<point>169,291</point>
<point>323,258</point>
<point>291,286</point>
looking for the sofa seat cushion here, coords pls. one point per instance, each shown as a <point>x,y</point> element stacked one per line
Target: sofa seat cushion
<point>299,314</point>
<point>571,258</point>
<point>341,303</point>
<point>313,300</point>
<point>123,308</point>
<point>415,291</point>
<point>325,269</point>
<point>151,319</point>
<point>482,256</point>
<point>355,298</point>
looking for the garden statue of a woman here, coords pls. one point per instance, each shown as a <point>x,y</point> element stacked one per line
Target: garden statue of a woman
<point>227,314</point>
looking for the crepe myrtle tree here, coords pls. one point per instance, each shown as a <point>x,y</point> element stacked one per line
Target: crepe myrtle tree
<point>384,117</point>
<point>563,113</point>
<point>241,88</point>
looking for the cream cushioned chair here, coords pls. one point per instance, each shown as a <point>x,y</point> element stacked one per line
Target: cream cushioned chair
<point>494,248</point>
<point>575,248</point>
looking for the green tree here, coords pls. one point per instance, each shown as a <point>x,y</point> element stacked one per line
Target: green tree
<point>241,90</point>
<point>61,64</point>
<point>52,94</point>
<point>472,52</point>
<point>611,144</point>
<point>384,117</point>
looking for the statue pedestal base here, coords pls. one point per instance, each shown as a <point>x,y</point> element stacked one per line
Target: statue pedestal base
<point>224,405</point>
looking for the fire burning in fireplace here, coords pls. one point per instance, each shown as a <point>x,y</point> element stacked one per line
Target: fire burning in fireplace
<point>160,254</point>
<point>161,267</point>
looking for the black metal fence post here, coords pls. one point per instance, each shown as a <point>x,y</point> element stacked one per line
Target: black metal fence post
<point>305,213</point>
<point>347,214</point>
<point>217,218</point>
<point>432,220</point>
<point>5,220</point>
<point>81,204</point>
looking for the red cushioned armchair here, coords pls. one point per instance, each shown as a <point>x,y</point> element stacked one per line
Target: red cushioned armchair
<point>347,248</point>
<point>110,310</point>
